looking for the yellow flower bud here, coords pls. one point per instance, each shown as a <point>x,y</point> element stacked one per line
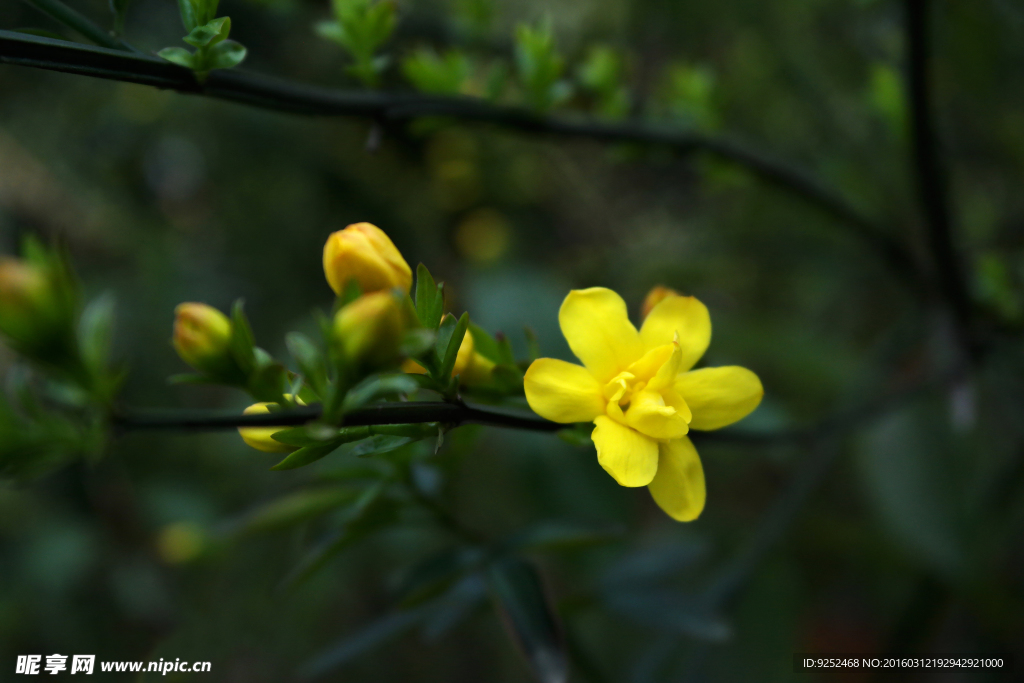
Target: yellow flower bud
<point>478,371</point>
<point>364,253</point>
<point>261,438</point>
<point>24,292</point>
<point>369,330</point>
<point>655,297</point>
<point>202,335</point>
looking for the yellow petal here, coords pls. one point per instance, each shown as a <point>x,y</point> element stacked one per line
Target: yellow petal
<point>562,392</point>
<point>652,362</point>
<point>629,456</point>
<point>682,315</point>
<point>719,396</point>
<point>649,415</point>
<point>678,487</point>
<point>595,324</point>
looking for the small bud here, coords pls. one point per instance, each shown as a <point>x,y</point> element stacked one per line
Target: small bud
<point>24,299</point>
<point>655,297</point>
<point>202,337</point>
<point>261,438</point>
<point>369,330</point>
<point>364,253</point>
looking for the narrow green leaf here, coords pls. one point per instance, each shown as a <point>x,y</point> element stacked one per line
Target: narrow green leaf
<point>505,354</point>
<point>95,332</point>
<point>435,574</point>
<point>243,346</point>
<point>307,435</point>
<point>444,335</point>
<point>484,343</point>
<point>532,347</point>
<point>563,536</point>
<point>529,617</point>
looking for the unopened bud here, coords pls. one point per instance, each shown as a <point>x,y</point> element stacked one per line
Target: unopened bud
<point>368,331</point>
<point>202,337</point>
<point>364,253</point>
<point>24,298</point>
<point>262,438</point>
<point>655,297</point>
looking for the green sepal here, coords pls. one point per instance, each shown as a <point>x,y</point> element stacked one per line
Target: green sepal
<point>452,350</point>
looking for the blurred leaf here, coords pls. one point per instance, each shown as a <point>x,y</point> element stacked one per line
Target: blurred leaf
<point>540,66</point>
<point>910,478</point>
<point>377,387</point>
<point>532,346</point>
<point>562,536</point>
<point>444,336</point>
<point>120,10</point>
<point>225,55</point>
<point>310,360</point>
<point>437,75</point>
<point>309,435</point>
<point>243,346</point>
<point>437,573</point>
<point>377,444</point>
<point>666,610</point>
<point>457,604</point>
<point>529,618</point>
<point>648,565</point>
<point>209,34</point>
<point>306,455</point>
<point>95,333</point>
<point>292,509</point>
<point>377,633</point>
<point>885,92</point>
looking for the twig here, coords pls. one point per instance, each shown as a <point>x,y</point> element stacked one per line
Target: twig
<point>930,173</point>
<point>269,93</point>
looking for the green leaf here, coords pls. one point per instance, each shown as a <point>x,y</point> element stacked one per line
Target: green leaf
<point>505,354</point>
<point>310,360</point>
<point>382,630</point>
<point>178,55</point>
<point>377,444</point>
<point>670,611</point>
<point>225,55</point>
<point>417,343</point>
<point>268,382</point>
<point>484,343</point>
<point>120,10</point>
<point>429,299</point>
<point>294,508</point>
<point>563,536</point>
<point>438,75</point>
<point>95,333</point>
<point>189,16</point>
<point>209,34</point>
<point>306,455</point>
<point>529,618</point>
<point>452,351</point>
<point>242,345</point>
<point>379,386</point>
<point>434,575</point>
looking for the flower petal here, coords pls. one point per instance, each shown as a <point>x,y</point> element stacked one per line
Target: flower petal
<point>563,392</point>
<point>678,487</point>
<point>652,362</point>
<point>629,456</point>
<point>719,396</point>
<point>649,415</point>
<point>595,324</point>
<point>682,315</point>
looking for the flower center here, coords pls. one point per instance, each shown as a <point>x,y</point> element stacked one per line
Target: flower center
<point>622,387</point>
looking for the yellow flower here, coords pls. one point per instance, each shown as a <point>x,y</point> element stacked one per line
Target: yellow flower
<point>261,438</point>
<point>364,253</point>
<point>369,330</point>
<point>202,335</point>
<point>638,389</point>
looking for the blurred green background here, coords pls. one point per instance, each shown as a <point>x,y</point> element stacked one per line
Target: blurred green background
<point>909,543</point>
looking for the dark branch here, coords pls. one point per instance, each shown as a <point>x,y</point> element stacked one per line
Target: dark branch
<point>930,172</point>
<point>268,93</point>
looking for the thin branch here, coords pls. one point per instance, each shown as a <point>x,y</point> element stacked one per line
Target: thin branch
<point>931,178</point>
<point>69,17</point>
<point>279,95</point>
